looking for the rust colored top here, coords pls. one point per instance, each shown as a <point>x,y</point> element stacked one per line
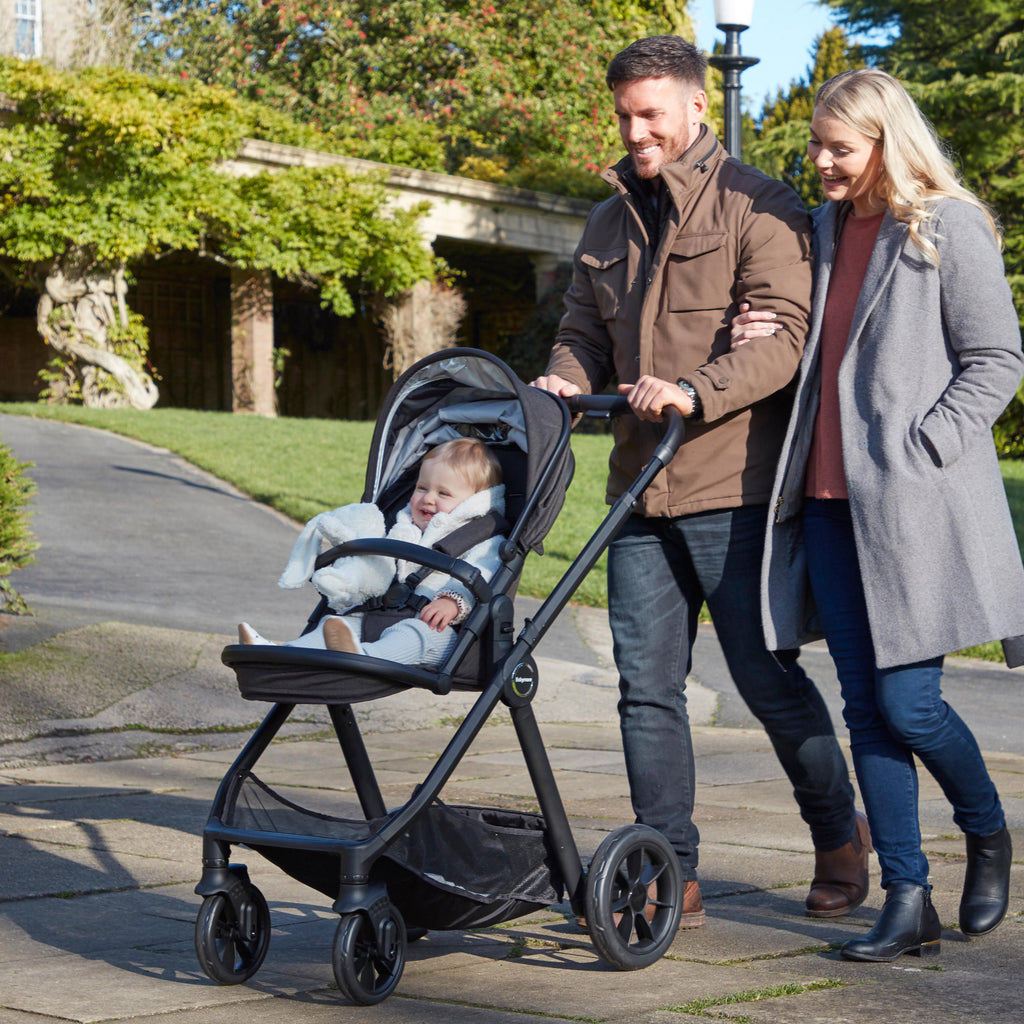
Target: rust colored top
<point>826,477</point>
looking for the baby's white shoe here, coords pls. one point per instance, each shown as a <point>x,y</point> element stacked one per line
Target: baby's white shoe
<point>248,635</point>
<point>338,637</point>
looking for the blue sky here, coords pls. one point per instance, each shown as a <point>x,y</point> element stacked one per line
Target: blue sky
<point>781,33</point>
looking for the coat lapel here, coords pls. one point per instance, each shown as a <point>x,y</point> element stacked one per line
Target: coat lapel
<point>825,221</point>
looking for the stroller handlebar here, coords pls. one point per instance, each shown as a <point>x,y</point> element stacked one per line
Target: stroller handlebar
<point>610,406</point>
<point>603,407</point>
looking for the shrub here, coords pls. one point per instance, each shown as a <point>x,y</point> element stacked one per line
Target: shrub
<point>16,540</point>
<point>1009,431</point>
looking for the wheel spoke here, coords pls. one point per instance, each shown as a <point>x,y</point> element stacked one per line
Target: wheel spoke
<point>633,865</point>
<point>644,930</point>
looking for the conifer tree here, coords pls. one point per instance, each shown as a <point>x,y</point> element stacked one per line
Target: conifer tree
<point>780,146</point>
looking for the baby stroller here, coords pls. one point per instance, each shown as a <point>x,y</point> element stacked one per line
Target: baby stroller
<point>396,873</point>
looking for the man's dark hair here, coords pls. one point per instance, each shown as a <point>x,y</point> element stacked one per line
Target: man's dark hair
<point>658,57</point>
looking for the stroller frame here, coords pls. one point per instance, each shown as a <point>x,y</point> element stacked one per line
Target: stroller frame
<point>631,893</point>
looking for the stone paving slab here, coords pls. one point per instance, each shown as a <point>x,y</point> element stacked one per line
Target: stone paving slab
<point>574,980</point>
<point>324,1008</point>
<point>969,982</point>
<point>128,833</point>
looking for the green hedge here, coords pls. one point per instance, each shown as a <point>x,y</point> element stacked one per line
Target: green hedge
<point>16,540</point>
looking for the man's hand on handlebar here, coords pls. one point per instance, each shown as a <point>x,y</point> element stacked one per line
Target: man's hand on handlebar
<point>650,396</point>
<point>556,385</point>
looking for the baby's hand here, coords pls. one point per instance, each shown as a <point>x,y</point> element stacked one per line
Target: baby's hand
<point>440,613</point>
<point>748,324</point>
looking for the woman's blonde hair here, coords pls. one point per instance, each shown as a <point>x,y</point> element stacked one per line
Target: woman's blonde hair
<point>916,166</point>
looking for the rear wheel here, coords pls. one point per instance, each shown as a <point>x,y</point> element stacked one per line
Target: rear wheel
<point>633,897</point>
<point>368,962</point>
<point>231,945</point>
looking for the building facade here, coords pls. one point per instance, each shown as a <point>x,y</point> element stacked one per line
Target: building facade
<point>224,340</point>
<point>56,31</point>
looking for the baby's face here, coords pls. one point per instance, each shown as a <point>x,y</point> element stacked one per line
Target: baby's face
<point>439,489</point>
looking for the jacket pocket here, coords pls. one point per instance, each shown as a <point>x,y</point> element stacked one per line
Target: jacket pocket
<point>608,270</point>
<point>700,273</point>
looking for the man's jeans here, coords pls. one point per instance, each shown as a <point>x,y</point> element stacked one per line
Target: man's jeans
<point>660,571</point>
<point>892,713</point>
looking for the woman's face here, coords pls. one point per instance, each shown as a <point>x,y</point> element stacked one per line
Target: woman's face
<point>849,163</point>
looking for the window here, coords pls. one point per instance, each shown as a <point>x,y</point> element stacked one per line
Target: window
<point>27,28</point>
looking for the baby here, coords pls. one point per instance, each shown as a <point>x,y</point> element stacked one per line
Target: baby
<point>458,481</point>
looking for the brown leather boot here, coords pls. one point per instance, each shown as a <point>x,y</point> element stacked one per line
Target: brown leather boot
<point>692,916</point>
<point>693,907</point>
<point>841,876</point>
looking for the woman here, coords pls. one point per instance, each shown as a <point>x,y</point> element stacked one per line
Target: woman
<point>892,534</point>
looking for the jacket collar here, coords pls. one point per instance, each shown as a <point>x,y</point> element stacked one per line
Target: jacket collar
<point>679,177</point>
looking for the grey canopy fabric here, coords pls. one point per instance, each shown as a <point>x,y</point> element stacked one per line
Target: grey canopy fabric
<point>466,392</point>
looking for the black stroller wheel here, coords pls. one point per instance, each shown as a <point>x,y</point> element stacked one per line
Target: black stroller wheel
<point>231,946</point>
<point>368,965</point>
<point>633,897</point>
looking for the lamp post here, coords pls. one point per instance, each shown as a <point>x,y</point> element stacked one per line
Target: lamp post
<point>732,17</point>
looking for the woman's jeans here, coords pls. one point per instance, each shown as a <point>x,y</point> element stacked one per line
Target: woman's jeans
<point>892,713</point>
<point>660,571</point>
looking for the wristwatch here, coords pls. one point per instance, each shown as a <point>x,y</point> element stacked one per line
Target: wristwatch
<point>694,397</point>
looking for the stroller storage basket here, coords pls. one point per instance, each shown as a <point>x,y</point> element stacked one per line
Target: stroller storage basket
<point>454,867</point>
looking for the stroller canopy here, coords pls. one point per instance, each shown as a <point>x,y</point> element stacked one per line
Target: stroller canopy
<point>469,393</point>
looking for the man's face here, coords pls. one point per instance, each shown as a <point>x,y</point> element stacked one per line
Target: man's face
<point>659,119</point>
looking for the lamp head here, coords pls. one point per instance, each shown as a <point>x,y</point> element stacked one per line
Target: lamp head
<point>735,14</point>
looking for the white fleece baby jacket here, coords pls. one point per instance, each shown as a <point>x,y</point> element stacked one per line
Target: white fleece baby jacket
<point>353,579</point>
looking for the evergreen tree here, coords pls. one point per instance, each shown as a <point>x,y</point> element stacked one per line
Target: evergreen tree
<point>780,146</point>
<point>964,64</point>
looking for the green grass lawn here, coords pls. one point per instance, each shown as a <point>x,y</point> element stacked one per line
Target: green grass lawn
<point>303,466</point>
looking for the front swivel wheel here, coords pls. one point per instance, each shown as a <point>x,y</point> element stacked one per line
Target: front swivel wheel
<point>633,897</point>
<point>368,959</point>
<point>231,940</point>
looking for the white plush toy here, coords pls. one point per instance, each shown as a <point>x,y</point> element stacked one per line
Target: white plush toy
<point>351,580</point>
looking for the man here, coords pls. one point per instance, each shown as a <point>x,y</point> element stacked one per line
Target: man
<point>658,276</point>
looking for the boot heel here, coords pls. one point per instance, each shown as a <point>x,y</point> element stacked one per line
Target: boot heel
<point>927,949</point>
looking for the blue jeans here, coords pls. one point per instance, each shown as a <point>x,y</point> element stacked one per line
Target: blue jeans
<point>892,713</point>
<point>660,571</point>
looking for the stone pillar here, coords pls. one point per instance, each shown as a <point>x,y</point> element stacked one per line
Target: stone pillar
<point>252,343</point>
<point>545,271</point>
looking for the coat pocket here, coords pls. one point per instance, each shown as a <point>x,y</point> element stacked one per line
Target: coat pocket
<point>609,277</point>
<point>700,273</point>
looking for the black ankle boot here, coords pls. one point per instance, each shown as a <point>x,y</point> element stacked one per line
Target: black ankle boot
<point>986,883</point>
<point>908,924</point>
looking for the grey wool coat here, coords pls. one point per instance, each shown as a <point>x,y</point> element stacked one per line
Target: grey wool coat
<point>933,357</point>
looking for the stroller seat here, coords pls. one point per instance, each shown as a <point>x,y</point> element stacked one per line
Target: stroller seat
<point>444,398</point>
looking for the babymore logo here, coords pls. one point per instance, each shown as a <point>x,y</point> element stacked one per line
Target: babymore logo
<point>523,679</point>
